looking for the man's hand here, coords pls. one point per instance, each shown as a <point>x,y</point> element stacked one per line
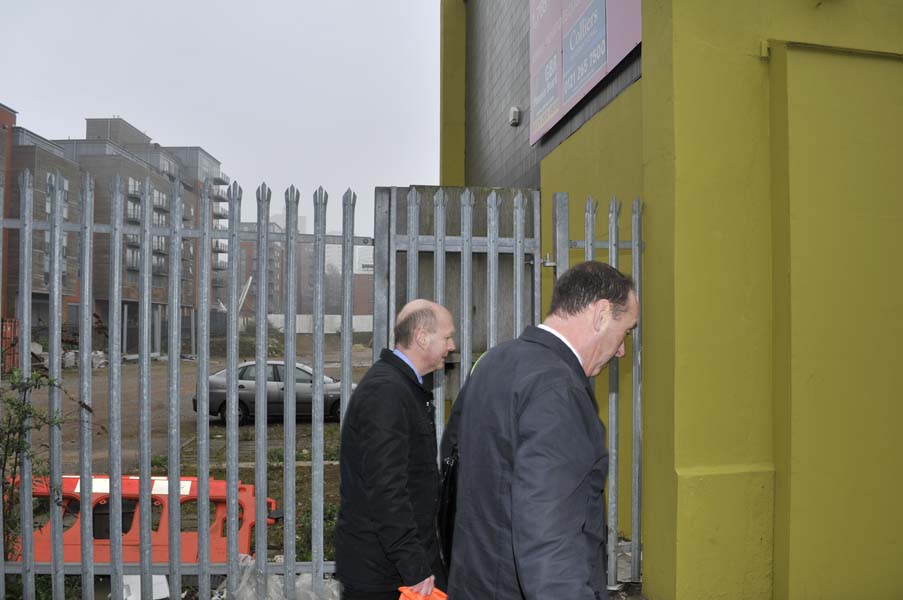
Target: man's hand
<point>425,587</point>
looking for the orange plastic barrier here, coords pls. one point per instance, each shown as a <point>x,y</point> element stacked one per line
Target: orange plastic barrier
<point>409,594</point>
<point>131,512</point>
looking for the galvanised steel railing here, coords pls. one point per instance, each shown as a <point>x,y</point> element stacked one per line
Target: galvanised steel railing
<point>507,299</point>
<point>148,235</point>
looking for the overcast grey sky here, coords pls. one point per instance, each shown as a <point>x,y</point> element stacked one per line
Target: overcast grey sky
<point>337,93</point>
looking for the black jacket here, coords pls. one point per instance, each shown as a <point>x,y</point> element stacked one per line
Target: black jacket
<point>532,465</point>
<point>385,534</point>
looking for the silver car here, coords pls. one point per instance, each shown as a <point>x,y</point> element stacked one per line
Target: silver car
<point>275,376</point>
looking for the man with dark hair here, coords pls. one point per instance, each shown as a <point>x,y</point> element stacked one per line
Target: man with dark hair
<point>532,460</point>
<point>385,534</point>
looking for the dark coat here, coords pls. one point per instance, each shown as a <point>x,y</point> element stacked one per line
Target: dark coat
<point>530,517</point>
<point>385,534</point>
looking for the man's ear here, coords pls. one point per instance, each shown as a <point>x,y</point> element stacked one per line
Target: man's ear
<point>601,313</point>
<point>421,337</point>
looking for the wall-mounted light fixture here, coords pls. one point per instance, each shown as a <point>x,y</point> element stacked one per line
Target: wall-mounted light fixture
<point>514,116</point>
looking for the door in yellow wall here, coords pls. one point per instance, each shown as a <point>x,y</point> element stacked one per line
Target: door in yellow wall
<point>841,456</point>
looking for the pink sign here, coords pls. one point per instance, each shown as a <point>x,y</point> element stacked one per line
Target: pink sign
<point>574,44</point>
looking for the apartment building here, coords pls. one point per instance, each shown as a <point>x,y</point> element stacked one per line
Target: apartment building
<point>247,269</point>
<point>198,168</point>
<point>7,122</point>
<point>47,163</point>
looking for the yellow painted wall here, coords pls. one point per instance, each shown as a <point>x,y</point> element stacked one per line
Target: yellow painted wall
<point>838,520</point>
<point>739,529</point>
<point>452,82</point>
<point>581,166</point>
<point>659,507</point>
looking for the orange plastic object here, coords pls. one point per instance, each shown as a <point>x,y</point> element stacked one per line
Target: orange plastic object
<point>409,594</point>
<point>131,510</point>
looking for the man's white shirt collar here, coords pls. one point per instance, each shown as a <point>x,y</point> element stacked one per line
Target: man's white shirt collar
<point>545,327</point>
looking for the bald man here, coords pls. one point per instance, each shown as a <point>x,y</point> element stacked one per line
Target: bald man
<point>385,535</point>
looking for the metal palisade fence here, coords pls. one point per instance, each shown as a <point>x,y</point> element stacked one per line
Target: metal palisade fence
<point>416,232</point>
<point>151,490</point>
<point>475,250</point>
<point>613,246</point>
<point>485,243</point>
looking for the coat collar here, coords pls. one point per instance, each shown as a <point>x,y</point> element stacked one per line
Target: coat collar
<point>390,357</point>
<point>536,335</point>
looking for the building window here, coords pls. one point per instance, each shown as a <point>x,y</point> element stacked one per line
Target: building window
<point>160,200</point>
<point>132,258</point>
<point>132,211</point>
<point>48,199</point>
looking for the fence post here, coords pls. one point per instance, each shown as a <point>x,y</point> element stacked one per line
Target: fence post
<point>613,395</point>
<point>589,227</point>
<point>466,284</point>
<point>234,195</point>
<point>518,258</point>
<point>260,404</point>
<point>292,196</point>
<point>144,386</point>
<point>26,512</point>
<point>440,203</point>
<point>636,249</point>
<point>116,340</point>
<point>86,403</point>
<point>175,383</point>
<point>316,531</point>
<point>562,231</point>
<point>413,243</point>
<point>393,268</point>
<point>537,259</point>
<point>204,250</point>
<point>54,193</point>
<point>348,202</point>
<point>492,262</point>
<point>381,269</point>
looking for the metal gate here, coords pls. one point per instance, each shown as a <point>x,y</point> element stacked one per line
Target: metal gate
<point>442,232</point>
<point>628,570</point>
<point>417,223</point>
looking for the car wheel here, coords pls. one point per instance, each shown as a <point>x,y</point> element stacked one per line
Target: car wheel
<point>243,413</point>
<point>335,410</point>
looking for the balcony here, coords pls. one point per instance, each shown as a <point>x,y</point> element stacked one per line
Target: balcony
<point>218,194</point>
<point>219,265</point>
<point>219,280</point>
<point>220,179</point>
<point>132,265</point>
<point>133,213</point>
<point>161,202</point>
<point>132,239</point>
<point>134,189</point>
<point>159,269</point>
<point>220,246</point>
<point>160,245</point>
<point>220,212</point>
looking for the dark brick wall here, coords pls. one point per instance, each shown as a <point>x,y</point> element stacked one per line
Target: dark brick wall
<point>498,77</point>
